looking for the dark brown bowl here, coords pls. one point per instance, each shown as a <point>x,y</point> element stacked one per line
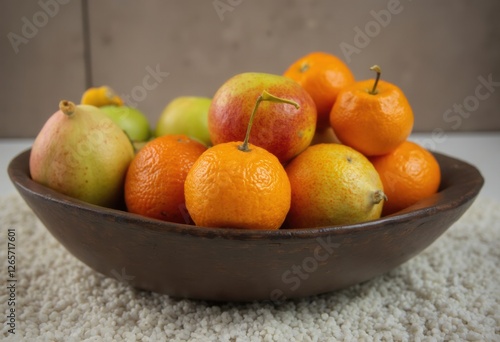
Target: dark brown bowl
<point>240,265</point>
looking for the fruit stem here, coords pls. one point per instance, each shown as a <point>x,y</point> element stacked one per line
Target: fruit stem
<point>377,69</point>
<point>378,196</point>
<point>265,96</point>
<point>304,67</point>
<point>67,107</point>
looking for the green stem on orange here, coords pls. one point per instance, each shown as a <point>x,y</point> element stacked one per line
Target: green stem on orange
<point>67,107</point>
<point>377,69</point>
<point>265,96</point>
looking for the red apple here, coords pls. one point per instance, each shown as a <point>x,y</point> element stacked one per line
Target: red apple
<point>279,128</point>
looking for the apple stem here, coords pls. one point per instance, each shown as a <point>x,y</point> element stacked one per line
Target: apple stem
<point>265,96</point>
<point>67,107</point>
<point>377,69</point>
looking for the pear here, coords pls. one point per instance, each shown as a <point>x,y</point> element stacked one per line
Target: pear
<point>82,153</point>
<point>333,184</point>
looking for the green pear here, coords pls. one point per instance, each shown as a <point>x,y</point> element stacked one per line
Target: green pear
<point>186,115</point>
<point>131,120</point>
<point>83,154</point>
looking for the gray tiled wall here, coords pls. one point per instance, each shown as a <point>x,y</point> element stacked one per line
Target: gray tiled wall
<point>441,53</point>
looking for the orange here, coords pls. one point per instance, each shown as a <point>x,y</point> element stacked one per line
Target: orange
<point>233,188</point>
<point>154,185</point>
<point>372,122</point>
<point>333,184</point>
<point>409,174</point>
<point>322,75</point>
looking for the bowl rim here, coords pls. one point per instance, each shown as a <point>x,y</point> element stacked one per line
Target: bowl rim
<point>18,171</point>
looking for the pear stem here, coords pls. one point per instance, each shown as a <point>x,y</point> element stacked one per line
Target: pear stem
<point>67,107</point>
<point>378,70</point>
<point>265,96</point>
<point>378,196</point>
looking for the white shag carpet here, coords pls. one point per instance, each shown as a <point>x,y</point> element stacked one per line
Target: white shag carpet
<point>450,292</point>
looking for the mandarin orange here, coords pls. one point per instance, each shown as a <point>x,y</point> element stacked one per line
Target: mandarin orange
<point>239,185</point>
<point>154,185</point>
<point>231,188</point>
<point>409,174</point>
<point>322,75</point>
<point>372,117</point>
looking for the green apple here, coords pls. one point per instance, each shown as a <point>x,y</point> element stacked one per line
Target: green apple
<point>186,115</point>
<point>131,120</point>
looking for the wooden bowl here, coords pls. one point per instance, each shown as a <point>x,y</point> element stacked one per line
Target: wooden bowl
<point>241,265</point>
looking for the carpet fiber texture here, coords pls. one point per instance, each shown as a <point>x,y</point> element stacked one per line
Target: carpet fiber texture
<point>451,291</point>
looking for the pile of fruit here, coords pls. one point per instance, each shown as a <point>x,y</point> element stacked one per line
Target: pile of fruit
<point>312,147</point>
